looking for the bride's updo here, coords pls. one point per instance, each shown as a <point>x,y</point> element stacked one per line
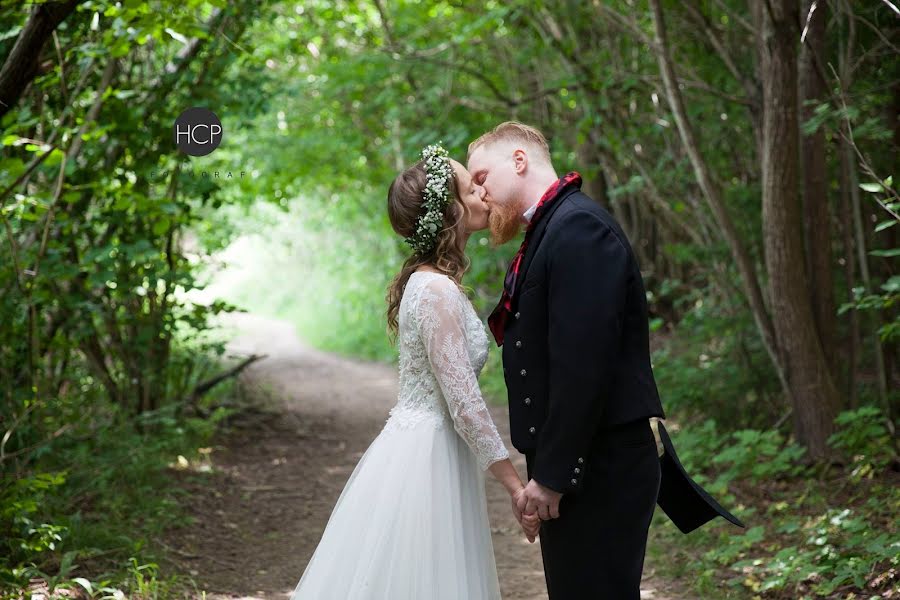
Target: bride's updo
<point>404,204</point>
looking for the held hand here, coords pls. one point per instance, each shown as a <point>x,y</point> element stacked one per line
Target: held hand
<point>517,497</point>
<point>541,499</point>
<point>530,523</point>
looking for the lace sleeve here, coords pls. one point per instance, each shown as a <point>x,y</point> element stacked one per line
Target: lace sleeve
<point>441,322</point>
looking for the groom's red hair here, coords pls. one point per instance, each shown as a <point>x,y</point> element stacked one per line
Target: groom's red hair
<point>514,131</point>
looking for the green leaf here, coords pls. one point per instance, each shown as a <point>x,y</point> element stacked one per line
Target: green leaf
<point>35,147</point>
<point>10,33</point>
<point>871,187</point>
<point>161,226</point>
<point>892,285</point>
<point>886,253</point>
<point>120,49</point>
<point>885,224</point>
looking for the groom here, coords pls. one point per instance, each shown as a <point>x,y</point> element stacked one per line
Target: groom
<point>573,324</point>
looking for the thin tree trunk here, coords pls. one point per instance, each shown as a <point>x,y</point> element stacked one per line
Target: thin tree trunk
<point>714,199</point>
<point>849,157</point>
<point>814,393</point>
<point>816,221</point>
<point>853,336</point>
<point>854,343</point>
<point>863,258</point>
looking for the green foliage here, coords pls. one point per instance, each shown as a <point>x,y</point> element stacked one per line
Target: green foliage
<point>806,537</point>
<point>101,345</point>
<point>862,435</point>
<point>755,456</point>
<point>883,300</point>
<point>712,361</point>
<point>81,513</point>
<point>839,548</point>
<point>23,535</point>
<point>811,539</point>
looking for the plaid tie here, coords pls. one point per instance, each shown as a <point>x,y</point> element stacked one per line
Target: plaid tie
<point>497,320</point>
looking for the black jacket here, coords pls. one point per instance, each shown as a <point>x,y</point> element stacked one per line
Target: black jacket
<point>576,355</point>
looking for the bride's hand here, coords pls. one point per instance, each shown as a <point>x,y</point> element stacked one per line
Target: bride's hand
<point>516,497</point>
<point>530,524</point>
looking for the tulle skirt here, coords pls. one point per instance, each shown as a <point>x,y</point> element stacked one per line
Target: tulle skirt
<point>410,524</point>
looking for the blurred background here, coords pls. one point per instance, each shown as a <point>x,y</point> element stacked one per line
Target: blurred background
<point>747,149</point>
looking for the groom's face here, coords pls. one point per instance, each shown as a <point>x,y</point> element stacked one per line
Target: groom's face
<point>493,167</point>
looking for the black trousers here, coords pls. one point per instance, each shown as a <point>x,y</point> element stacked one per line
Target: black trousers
<point>595,549</point>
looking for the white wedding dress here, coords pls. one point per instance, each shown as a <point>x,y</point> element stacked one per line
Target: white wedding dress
<point>412,521</point>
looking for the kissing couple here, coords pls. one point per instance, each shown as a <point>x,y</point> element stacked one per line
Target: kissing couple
<point>411,522</point>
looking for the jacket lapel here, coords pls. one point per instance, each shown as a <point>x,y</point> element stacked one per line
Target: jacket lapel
<point>536,236</point>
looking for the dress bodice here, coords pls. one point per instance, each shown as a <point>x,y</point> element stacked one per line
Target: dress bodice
<point>443,348</point>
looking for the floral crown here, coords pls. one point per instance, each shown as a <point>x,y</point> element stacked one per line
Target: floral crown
<point>435,198</point>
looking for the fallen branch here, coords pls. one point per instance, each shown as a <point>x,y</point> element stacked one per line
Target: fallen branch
<point>193,400</point>
<point>207,385</point>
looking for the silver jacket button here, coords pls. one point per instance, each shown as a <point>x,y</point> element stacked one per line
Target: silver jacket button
<point>577,470</point>
<point>523,371</point>
<point>574,482</point>
<point>531,430</point>
<point>518,343</point>
<point>580,461</point>
<point>527,401</point>
<point>517,314</point>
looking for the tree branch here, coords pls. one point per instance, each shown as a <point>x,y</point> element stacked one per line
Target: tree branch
<point>21,65</point>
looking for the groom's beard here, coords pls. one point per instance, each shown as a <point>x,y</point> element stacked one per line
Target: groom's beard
<point>505,222</point>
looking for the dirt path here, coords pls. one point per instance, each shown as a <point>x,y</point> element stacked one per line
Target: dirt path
<point>258,516</point>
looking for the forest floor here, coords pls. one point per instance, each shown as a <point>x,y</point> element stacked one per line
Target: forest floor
<point>277,471</point>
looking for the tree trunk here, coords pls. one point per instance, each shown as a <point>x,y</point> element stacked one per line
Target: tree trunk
<point>852,343</point>
<point>21,65</point>
<point>813,391</point>
<point>816,221</point>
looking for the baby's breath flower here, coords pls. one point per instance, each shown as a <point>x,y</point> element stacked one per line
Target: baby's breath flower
<point>434,198</point>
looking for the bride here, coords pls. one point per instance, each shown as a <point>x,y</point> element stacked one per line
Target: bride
<point>412,521</point>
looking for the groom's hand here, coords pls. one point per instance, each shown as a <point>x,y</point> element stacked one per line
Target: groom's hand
<point>541,499</point>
